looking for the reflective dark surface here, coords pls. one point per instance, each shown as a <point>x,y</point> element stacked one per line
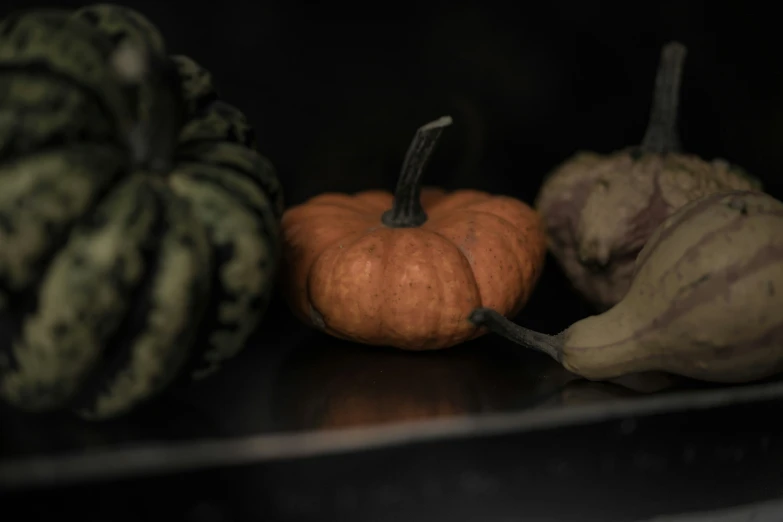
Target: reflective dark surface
<point>632,467</point>
<point>624,468</point>
<point>297,379</point>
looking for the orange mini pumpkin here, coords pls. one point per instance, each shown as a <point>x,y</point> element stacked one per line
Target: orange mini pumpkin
<point>406,270</point>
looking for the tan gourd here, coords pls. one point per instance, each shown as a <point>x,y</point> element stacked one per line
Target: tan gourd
<point>706,301</point>
<point>599,210</point>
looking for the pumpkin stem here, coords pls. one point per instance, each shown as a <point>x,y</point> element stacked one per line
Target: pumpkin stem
<point>406,211</point>
<point>552,345</point>
<point>661,136</point>
<point>152,135</point>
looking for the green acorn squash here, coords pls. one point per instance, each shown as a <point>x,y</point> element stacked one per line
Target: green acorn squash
<point>138,223</point>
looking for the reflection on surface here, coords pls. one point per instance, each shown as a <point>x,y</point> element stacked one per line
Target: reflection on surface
<point>326,383</point>
<point>329,384</point>
<point>307,380</point>
<point>580,392</point>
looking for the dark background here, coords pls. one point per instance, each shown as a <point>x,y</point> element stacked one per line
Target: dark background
<point>336,90</point>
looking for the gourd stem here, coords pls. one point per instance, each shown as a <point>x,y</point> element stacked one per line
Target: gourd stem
<point>661,136</point>
<point>552,345</point>
<point>153,132</point>
<point>406,211</point>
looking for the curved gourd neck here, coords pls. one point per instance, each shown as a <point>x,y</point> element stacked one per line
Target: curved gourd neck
<point>608,345</point>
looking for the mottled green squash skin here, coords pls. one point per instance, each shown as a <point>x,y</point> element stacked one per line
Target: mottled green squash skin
<point>121,23</point>
<point>122,26</point>
<point>235,193</point>
<point>197,89</point>
<point>115,279</point>
<point>55,86</point>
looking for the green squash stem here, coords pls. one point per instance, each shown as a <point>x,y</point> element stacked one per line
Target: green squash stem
<point>661,136</point>
<point>151,136</point>
<point>552,345</point>
<point>406,211</point>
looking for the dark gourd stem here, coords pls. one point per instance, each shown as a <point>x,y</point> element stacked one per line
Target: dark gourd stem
<point>662,136</point>
<point>551,345</point>
<point>406,211</point>
<point>152,134</point>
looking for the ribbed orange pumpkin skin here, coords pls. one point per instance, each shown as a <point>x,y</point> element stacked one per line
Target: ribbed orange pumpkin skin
<point>412,288</point>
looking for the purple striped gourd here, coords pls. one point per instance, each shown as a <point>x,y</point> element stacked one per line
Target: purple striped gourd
<point>600,209</point>
<point>706,300</point>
